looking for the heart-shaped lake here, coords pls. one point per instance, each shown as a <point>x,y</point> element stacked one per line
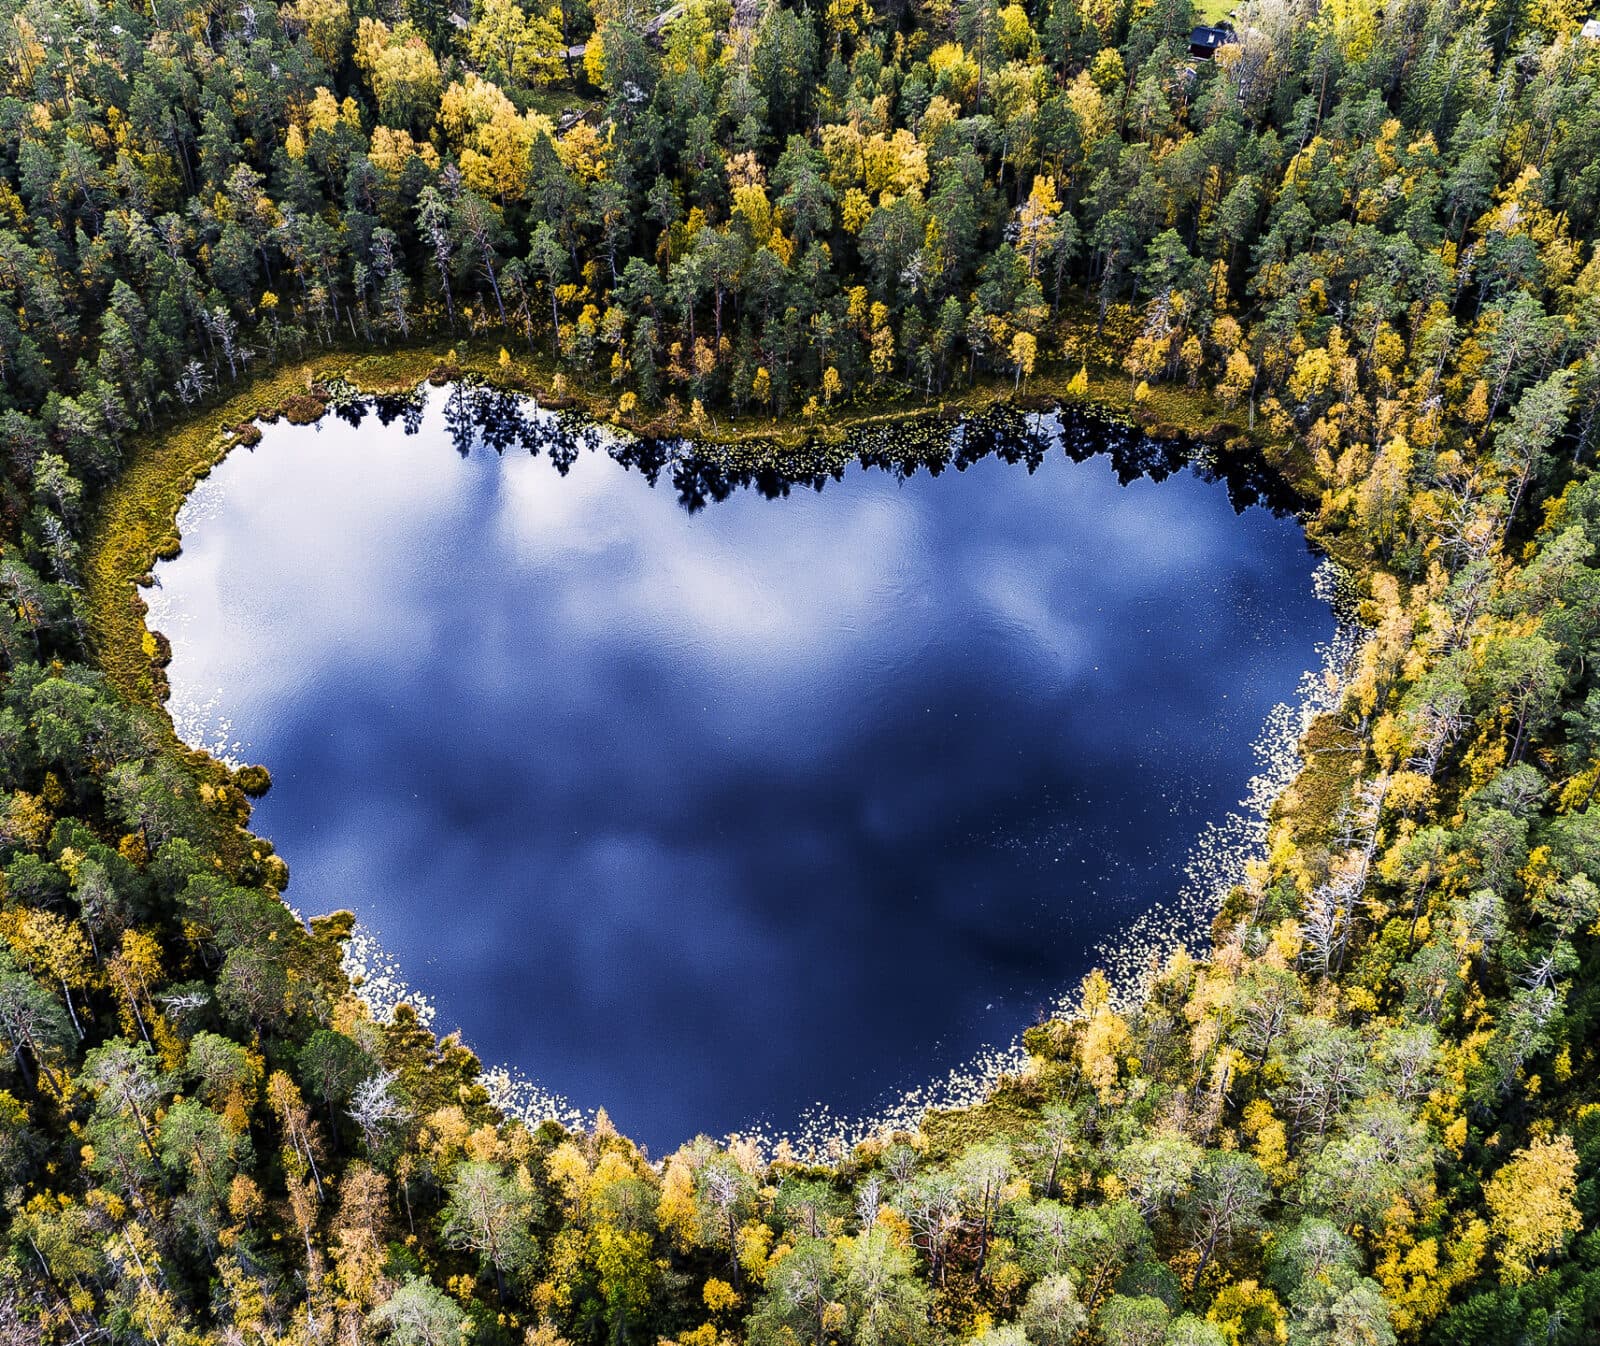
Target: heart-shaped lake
<point>704,815</point>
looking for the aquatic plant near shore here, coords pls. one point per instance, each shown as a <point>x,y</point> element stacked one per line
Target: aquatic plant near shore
<point>477,418</point>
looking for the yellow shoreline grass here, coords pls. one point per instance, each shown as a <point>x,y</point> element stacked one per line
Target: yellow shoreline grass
<point>136,520</point>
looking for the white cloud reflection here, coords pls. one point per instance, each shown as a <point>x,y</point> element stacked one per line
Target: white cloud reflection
<point>715,585</point>
<point>622,785</point>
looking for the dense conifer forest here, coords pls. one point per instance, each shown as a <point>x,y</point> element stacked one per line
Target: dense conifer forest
<point>1359,238</point>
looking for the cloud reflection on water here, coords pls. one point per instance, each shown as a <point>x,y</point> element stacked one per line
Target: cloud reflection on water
<point>698,815</point>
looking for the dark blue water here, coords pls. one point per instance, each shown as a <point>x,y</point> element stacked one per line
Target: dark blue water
<point>705,816</point>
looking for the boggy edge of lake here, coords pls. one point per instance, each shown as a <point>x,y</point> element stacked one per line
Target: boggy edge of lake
<point>982,809</point>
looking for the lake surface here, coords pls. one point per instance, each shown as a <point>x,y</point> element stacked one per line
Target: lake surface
<point>704,800</point>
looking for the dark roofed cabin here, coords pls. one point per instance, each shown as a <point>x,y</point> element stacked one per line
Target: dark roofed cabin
<point>1204,39</point>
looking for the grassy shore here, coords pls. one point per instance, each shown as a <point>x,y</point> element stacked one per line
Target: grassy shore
<point>135,520</point>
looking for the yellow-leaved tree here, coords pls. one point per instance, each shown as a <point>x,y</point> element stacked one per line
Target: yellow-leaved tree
<point>327,27</point>
<point>1531,1210</point>
<point>401,70</point>
<point>1036,221</point>
<point>514,46</point>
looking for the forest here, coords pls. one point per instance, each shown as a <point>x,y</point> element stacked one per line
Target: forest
<point>1358,239</point>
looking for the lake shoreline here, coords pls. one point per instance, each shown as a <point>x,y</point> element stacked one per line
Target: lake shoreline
<point>135,525</point>
<point>134,522</point>
<point>1031,529</point>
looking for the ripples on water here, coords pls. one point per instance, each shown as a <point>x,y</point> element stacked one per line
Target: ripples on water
<point>704,792</point>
